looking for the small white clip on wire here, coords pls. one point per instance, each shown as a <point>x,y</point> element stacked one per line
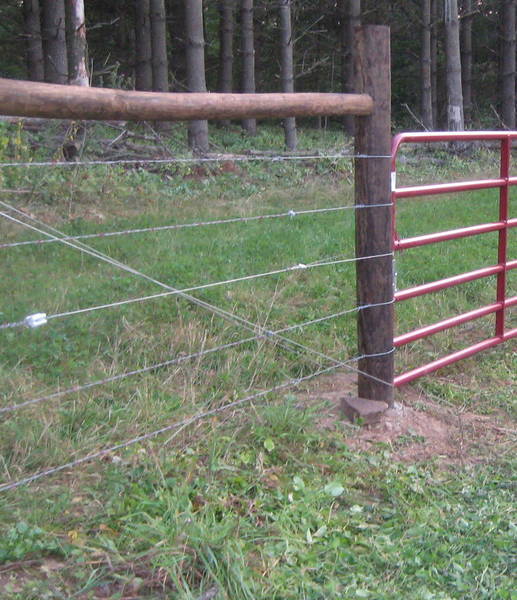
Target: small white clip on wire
<point>35,320</point>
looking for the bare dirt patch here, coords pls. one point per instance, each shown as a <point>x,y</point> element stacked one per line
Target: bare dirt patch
<point>417,428</point>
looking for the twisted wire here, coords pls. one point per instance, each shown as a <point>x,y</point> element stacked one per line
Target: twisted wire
<point>233,318</point>
<point>181,359</point>
<point>298,267</point>
<point>178,425</point>
<point>160,228</point>
<point>171,161</point>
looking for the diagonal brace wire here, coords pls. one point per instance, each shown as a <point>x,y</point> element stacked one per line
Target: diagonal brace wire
<point>181,359</point>
<point>281,340</point>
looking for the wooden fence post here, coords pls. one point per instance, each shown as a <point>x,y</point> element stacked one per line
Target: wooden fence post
<point>375,277</point>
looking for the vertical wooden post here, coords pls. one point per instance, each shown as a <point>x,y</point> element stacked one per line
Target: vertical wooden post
<point>373,225</point>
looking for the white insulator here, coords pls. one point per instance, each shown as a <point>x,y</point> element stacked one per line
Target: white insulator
<point>35,320</point>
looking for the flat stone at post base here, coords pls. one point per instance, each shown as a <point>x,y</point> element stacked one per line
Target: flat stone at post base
<point>360,409</point>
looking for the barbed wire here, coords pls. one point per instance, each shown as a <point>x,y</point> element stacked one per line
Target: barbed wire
<point>265,333</point>
<point>291,214</point>
<point>231,317</point>
<point>178,425</point>
<point>200,160</point>
<point>205,286</point>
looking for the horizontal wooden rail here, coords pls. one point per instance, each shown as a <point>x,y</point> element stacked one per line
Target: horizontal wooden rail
<point>31,99</point>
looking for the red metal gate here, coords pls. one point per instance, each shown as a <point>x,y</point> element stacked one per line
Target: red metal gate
<point>503,225</point>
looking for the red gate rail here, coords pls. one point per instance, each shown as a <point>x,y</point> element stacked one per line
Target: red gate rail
<point>500,270</point>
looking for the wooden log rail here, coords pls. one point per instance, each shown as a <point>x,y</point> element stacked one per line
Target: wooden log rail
<point>31,99</point>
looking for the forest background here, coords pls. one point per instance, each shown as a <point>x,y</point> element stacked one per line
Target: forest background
<point>453,60</point>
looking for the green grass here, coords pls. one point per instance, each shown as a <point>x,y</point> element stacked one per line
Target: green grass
<point>259,502</point>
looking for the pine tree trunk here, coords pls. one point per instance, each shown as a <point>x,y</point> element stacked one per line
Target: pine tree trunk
<point>466,59</point>
<point>125,36</point>
<point>177,56</point>
<point>160,65</point>
<point>77,44</point>
<point>455,120</point>
<point>226,33</point>
<point>425,68</point>
<point>143,46</point>
<point>341,7</point>
<point>54,41</point>
<point>353,20</point>
<point>196,82</point>
<point>508,63</point>
<point>287,68</point>
<point>248,59</point>
<point>35,65</point>
<point>435,9</point>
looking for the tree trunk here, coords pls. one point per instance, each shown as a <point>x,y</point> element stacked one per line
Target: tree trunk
<point>287,68</point>
<point>226,33</point>
<point>466,59</point>
<point>177,60</point>
<point>125,37</point>
<point>77,44</point>
<point>342,12</point>
<point>353,20</point>
<point>508,63</point>
<point>248,59</point>
<point>160,65</point>
<point>196,82</point>
<point>425,68</point>
<point>455,120</point>
<point>31,15</point>
<point>434,58</point>
<point>143,47</point>
<point>54,41</point>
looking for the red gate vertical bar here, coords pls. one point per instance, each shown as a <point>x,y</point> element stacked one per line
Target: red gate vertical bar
<point>504,200</point>
<point>373,222</point>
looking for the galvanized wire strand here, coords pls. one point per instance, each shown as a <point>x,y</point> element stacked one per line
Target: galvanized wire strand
<point>171,161</point>
<point>13,325</point>
<point>290,269</point>
<point>167,363</point>
<point>233,318</point>
<point>283,341</point>
<point>181,359</point>
<point>336,315</point>
<point>178,425</point>
<point>160,228</point>
<point>78,246</point>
